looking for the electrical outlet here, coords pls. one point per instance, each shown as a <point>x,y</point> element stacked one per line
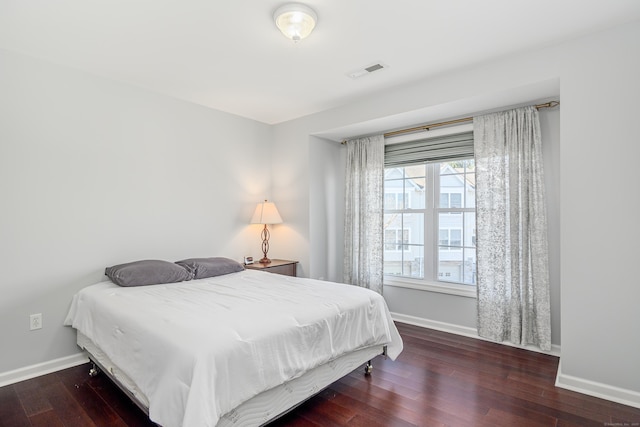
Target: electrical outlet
<point>35,321</point>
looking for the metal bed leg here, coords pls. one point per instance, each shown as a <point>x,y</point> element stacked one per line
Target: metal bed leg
<point>94,370</point>
<point>368,368</point>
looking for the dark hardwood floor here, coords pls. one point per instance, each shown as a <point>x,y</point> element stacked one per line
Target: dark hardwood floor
<point>439,380</point>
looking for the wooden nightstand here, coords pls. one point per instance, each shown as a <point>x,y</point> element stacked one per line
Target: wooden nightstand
<point>277,266</point>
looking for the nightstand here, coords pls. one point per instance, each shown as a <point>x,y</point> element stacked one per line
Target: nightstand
<point>277,266</point>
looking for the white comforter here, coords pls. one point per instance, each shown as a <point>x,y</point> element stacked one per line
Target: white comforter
<point>198,349</point>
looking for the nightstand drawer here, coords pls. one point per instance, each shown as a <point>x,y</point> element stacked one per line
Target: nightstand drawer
<point>287,270</point>
<point>277,266</point>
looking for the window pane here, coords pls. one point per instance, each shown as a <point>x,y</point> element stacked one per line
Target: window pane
<point>389,200</point>
<point>458,177</point>
<point>393,262</point>
<point>413,223</point>
<point>392,244</point>
<point>415,184</point>
<point>444,200</point>
<point>392,221</point>
<point>450,265</point>
<point>415,171</point>
<point>449,168</point>
<point>456,200</point>
<point>452,183</point>
<point>448,221</point>
<point>469,270</point>
<point>415,196</point>
<point>393,188</point>
<point>455,237</point>
<point>443,237</point>
<point>389,239</point>
<point>470,165</point>
<point>469,230</point>
<point>393,173</point>
<point>413,265</point>
<point>392,225</point>
<point>470,191</point>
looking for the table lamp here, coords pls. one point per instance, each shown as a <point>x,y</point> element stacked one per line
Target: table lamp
<point>266,213</point>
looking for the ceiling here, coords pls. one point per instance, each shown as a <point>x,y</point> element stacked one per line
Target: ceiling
<point>228,54</point>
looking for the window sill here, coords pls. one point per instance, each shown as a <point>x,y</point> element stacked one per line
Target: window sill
<point>451,289</point>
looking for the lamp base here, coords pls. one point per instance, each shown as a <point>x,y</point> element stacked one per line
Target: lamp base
<point>265,245</point>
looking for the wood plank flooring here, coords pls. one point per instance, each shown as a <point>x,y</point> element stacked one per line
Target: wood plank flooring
<point>440,379</point>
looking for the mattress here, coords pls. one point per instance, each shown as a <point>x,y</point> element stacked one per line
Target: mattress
<point>197,350</point>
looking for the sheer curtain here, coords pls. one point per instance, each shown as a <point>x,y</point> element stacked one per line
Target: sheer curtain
<point>364,212</point>
<point>513,277</point>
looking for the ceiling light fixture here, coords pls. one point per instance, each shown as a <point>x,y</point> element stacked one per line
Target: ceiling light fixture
<point>295,20</point>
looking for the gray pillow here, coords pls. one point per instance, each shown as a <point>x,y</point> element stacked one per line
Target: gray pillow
<point>210,267</point>
<point>147,272</point>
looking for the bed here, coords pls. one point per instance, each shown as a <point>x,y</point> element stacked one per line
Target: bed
<point>236,349</point>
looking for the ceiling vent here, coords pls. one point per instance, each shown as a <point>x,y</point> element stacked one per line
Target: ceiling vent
<point>367,70</point>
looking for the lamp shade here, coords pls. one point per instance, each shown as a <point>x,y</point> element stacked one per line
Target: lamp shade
<point>295,20</point>
<point>266,213</point>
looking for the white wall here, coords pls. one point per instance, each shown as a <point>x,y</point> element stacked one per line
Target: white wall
<point>326,197</point>
<point>599,91</point>
<point>600,281</point>
<point>290,160</point>
<point>95,173</point>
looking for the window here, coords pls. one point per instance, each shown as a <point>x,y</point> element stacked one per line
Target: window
<point>429,237</point>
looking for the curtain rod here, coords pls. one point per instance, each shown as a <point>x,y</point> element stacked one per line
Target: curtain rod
<point>549,104</point>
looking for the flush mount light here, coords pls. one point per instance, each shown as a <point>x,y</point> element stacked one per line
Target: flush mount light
<point>295,20</point>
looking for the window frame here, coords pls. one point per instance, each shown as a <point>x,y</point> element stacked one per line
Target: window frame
<point>431,213</point>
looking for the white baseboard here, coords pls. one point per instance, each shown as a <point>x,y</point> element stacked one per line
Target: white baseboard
<point>595,389</point>
<point>28,372</point>
<point>463,330</point>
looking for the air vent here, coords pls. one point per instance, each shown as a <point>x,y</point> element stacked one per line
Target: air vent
<point>366,70</point>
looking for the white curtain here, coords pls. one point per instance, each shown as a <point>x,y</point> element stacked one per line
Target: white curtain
<point>512,253</point>
<point>364,212</point>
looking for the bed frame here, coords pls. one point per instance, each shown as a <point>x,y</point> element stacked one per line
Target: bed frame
<point>261,409</point>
